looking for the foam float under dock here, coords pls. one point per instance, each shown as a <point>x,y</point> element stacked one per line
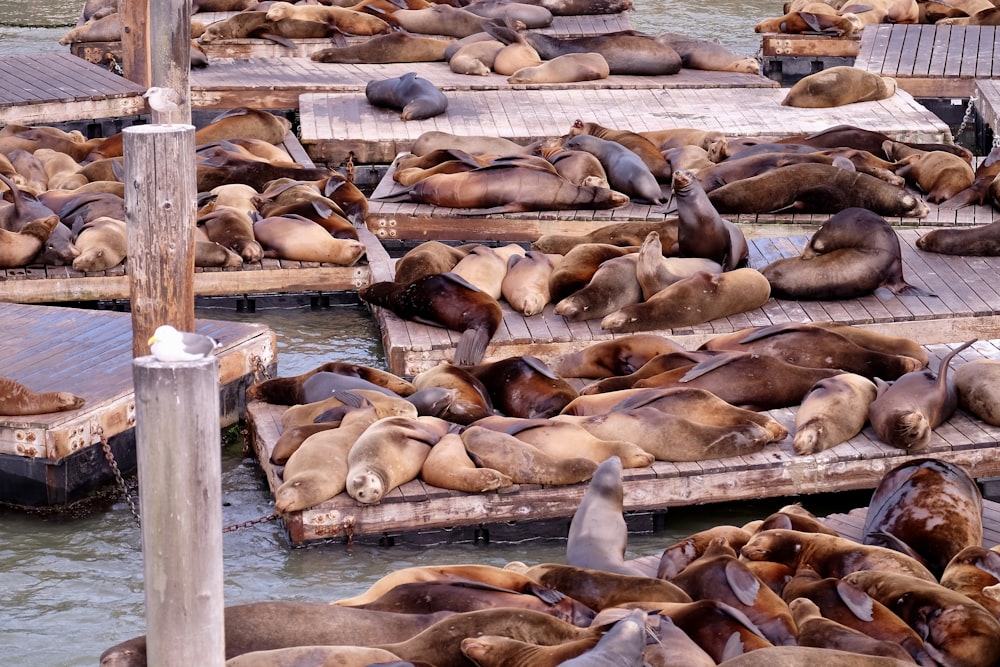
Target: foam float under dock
<point>775,471</point>
<point>57,458</point>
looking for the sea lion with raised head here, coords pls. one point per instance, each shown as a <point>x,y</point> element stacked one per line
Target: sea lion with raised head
<point>701,231</point>
<point>905,413</point>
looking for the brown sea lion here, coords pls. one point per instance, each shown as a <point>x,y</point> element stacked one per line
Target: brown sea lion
<point>443,300</point>
<point>703,54</point>
<point>623,234</point>
<point>978,240</point>
<point>815,630</point>
<point>837,86</point>
<point>977,382</point>
<point>288,390</point>
<point>612,287</point>
<point>521,462</point>
<point>905,413</point>
<point>638,144</point>
<point>396,47</point>
<point>619,356</point>
<point>828,555</point>
<point>234,230</point>
<point>578,167</point>
<point>819,188</point>
<point>852,254</point>
<point>500,651</point>
<point>806,656</point>
<point>346,20</point>
<point>448,466</point>
<point>851,136</point>
<point>679,555</point>
<point>834,411</point>
<point>983,184</point>
<point>438,19</point>
<point>523,386</point>
<point>600,589</point>
<point>18,399</point>
<point>939,174</point>
<point>928,509</point>
<point>659,364</point>
<point>428,258</point>
<point>102,244</point>
<point>416,98</point>
<point>531,15</point>
<point>296,238</point>
<point>877,341</point>
<point>341,656</point>
<point>701,231</point>
<point>812,17</point>
<point>567,68</point>
<point>627,172</point>
<point>578,267</point>
<point>962,630</point>
<point>701,298</point>
<point>721,631</point>
<point>470,400</point>
<point>250,24</point>
<point>975,572</point>
<point>714,175</point>
<point>20,247</point>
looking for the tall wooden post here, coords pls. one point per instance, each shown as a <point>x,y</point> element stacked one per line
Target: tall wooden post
<point>178,445</point>
<point>160,205</point>
<point>156,47</point>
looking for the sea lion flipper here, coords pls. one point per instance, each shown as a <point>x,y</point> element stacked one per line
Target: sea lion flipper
<point>454,277</point>
<point>880,538</point>
<point>471,347</point>
<point>709,365</point>
<point>910,290</point>
<point>277,39</point>
<point>859,602</point>
<point>742,581</point>
<point>539,366</point>
<point>349,398</point>
<point>544,593</point>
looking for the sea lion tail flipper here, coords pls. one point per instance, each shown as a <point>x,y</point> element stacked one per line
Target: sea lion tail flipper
<point>703,367</point>
<point>544,593</point>
<point>278,39</point>
<point>471,347</point>
<point>966,197</point>
<point>910,290</point>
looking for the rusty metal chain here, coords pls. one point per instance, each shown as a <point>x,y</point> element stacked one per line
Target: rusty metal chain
<point>106,447</point>
<point>114,65</point>
<point>259,370</point>
<point>349,167</point>
<point>252,522</point>
<point>970,107</point>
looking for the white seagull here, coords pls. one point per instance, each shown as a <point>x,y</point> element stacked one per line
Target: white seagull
<point>169,344</point>
<point>163,102</point>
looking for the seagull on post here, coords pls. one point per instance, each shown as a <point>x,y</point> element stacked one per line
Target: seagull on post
<point>169,344</point>
<point>163,102</point>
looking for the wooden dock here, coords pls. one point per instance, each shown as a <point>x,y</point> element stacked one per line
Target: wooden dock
<point>56,458</point>
<point>851,524</point>
<point>987,104</point>
<point>932,60</point>
<point>56,87</point>
<point>334,125</point>
<point>786,58</point>
<point>774,472</point>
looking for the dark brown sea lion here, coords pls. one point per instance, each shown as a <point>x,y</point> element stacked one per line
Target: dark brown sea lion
<point>807,656</point>
<point>905,413</point>
<point>828,555</point>
<point>218,165</point>
<point>715,175</point>
<point>839,136</point>
<point>416,98</point>
<point>347,21</point>
<point>396,47</point>
<point>18,399</point>
<point>627,52</point>
<point>619,356</point>
<point>288,390</point>
<point>623,234</point>
<point>975,572</point>
<point>718,575</point>
<point>636,143</point>
<point>523,386</point>
<point>928,509</point>
<point>701,298</point>
<point>819,188</point>
<point>817,631</point>
<point>249,24</point>
<point>612,287</point>
<point>701,231</point>
<point>512,188</point>
<point>977,383</point>
<point>626,171</point>
<point>962,630</point>
<point>982,186</point>
<point>834,411</point>
<point>852,254</point>
<point>803,344</point>
<point>978,240</point>
<point>837,86</point>
<point>661,363</point>
<point>940,174</point>
<point>721,631</point>
<point>470,400</point>
<point>447,301</point>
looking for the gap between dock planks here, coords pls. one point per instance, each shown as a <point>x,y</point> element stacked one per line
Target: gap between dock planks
<point>774,472</point>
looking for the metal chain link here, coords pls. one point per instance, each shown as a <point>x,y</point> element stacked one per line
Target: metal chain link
<point>106,447</point>
<point>970,107</point>
<point>114,65</point>
<point>259,370</point>
<point>252,522</point>
<point>349,167</point>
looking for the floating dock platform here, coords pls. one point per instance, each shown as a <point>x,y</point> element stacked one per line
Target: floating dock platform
<point>57,458</point>
<point>774,472</point>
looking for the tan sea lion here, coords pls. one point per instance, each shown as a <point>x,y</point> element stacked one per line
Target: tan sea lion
<point>20,247</point>
<point>567,68</point>
<point>939,174</point>
<point>619,356</point>
<point>701,298</point>
<point>62,170</point>
<point>531,15</point>
<point>837,86</point>
<point>415,97</point>
<point>521,462</point>
<point>102,244</point>
<point>296,238</point>
<point>341,656</point>
<point>525,285</point>
<point>928,509</point>
<point>438,19</point>
<point>346,20</point>
<point>18,399</point>
<point>515,55</point>
<point>475,58</point>
<point>977,382</point>
<point>210,253</point>
<point>834,411</point>
<point>701,231</point>
<point>396,47</point>
<point>389,453</point>
<point>448,466</point>
<point>905,413</point>
<point>600,589</point>
<point>707,55</point>
<point>578,267</point>
<point>471,400</point>
<point>500,651</point>
<point>428,258</point>
<point>613,286</point>
<point>484,268</point>
<point>473,144</point>
<point>624,234</point>
<point>251,24</point>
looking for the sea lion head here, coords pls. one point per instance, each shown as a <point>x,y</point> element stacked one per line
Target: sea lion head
<point>367,487</point>
<point>910,430</point>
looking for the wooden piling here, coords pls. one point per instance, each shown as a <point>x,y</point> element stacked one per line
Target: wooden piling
<point>178,446</point>
<point>160,207</point>
<point>156,47</point>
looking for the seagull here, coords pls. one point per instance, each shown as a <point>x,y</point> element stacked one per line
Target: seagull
<point>169,344</point>
<point>163,102</point>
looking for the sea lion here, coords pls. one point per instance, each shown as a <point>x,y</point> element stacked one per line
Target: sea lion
<point>939,174</point>
<point>20,247</point>
<point>578,167</point>
<point>346,20</point>
<point>515,55</point>
<point>250,24</point>
<point>416,98</point>
<point>600,589</point>
<point>714,175</point>
<point>851,255</point>
<point>578,267</point>
<point>718,575</point>
<point>396,47</point>
<point>310,413</point>
<point>210,253</point>
<point>296,238</point>
<point>905,413</point>
<point>619,356</point>
<point>18,399</point>
<point>598,535</point>
<point>288,390</point>
<point>701,298</point>
<point>102,244</point>
<point>525,285</point>
<point>437,19</point>
<point>471,399</point>
<point>976,382</point>
<point>234,230</point>
<point>484,268</point>
<point>720,630</point>
<point>473,145</point>
<point>633,141</point>
<point>851,136</point>
<point>978,240</point>
<point>975,572</point>
<point>443,300</point>
<point>567,68</point>
<point>521,462</point>
<point>612,287</point>
<point>928,509</point>
<point>475,58</point>
<point>706,55</point>
<point>627,173</point>
<point>623,234</point>
<point>819,188</point>
<point>529,14</point>
<point>317,470</point>
<point>428,258</point>
<point>679,555</point>
<point>523,386</point>
<point>624,644</point>
<point>659,364</point>
<point>342,656</point>
<point>834,411</point>
<point>448,466</point>
<point>320,385</point>
<point>500,651</point>
<point>983,186</point>
<point>107,28</point>
<point>388,453</point>
<point>701,231</point>
<point>837,86</point>
<point>806,656</point>
<point>828,555</point>
<point>63,171</point>
<point>962,630</point>
<point>817,631</point>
